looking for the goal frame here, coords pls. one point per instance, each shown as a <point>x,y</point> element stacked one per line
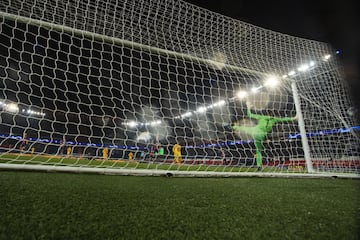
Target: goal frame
<point>151,49</point>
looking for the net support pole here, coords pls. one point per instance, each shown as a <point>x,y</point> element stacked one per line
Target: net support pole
<point>300,118</point>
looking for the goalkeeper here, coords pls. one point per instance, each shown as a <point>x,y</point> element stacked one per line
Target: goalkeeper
<point>259,131</point>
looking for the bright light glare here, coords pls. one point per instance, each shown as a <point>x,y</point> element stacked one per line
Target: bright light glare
<point>132,124</point>
<point>201,109</point>
<point>241,94</point>
<point>306,67</point>
<point>219,103</point>
<point>254,89</point>
<point>12,107</point>
<point>303,68</point>
<point>187,114</point>
<point>155,123</point>
<point>327,57</point>
<point>271,82</point>
<point>291,73</point>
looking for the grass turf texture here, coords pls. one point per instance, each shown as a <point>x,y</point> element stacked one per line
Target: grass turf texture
<point>79,206</point>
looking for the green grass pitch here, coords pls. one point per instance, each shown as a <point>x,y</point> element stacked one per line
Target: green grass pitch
<point>82,206</point>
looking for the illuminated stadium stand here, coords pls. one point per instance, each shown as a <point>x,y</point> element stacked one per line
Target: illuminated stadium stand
<point>193,153</point>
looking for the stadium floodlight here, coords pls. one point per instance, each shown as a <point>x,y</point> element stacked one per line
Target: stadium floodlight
<point>132,124</point>
<point>255,89</point>
<point>271,82</point>
<point>154,123</point>
<point>187,114</point>
<point>303,68</point>
<point>326,57</point>
<point>291,73</point>
<point>306,67</point>
<point>219,103</point>
<point>12,107</point>
<point>201,110</point>
<point>242,94</point>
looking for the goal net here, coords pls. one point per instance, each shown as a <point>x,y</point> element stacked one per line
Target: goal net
<point>164,86</point>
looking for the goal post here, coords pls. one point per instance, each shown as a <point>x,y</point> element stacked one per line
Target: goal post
<point>113,87</point>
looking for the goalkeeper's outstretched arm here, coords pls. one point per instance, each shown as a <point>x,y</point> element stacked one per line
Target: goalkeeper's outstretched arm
<point>257,116</point>
<point>276,119</point>
<point>285,119</point>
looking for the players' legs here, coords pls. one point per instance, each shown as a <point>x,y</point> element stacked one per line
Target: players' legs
<point>176,158</point>
<point>258,136</point>
<point>258,146</point>
<point>179,159</point>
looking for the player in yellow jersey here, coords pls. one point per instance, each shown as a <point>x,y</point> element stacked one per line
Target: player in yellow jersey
<point>105,153</point>
<point>68,151</point>
<point>177,153</point>
<point>131,156</point>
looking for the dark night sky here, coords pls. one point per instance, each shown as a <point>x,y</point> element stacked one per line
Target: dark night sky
<point>333,22</point>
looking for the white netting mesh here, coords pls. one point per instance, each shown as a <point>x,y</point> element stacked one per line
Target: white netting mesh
<point>88,80</point>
